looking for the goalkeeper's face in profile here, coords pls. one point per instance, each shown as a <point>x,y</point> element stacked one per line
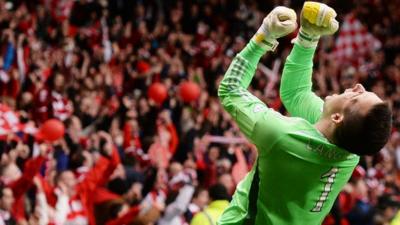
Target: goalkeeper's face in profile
<point>360,120</point>
<point>355,98</point>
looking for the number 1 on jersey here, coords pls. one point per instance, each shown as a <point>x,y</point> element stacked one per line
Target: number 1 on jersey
<point>328,178</point>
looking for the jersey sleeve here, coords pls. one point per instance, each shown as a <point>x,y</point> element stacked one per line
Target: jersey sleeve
<point>246,109</point>
<point>296,84</point>
<point>100,173</point>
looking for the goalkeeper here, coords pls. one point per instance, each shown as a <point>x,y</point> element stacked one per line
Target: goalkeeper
<point>304,160</point>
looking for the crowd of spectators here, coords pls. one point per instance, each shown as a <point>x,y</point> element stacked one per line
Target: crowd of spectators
<point>126,159</point>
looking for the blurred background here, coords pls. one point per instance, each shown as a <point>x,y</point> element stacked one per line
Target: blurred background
<point>109,111</point>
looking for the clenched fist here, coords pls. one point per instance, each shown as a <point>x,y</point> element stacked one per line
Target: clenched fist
<point>278,23</point>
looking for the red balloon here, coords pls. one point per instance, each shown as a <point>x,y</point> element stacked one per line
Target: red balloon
<point>143,67</point>
<point>51,130</point>
<point>158,92</point>
<point>189,91</point>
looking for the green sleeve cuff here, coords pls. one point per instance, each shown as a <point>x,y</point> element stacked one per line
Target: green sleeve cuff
<point>302,55</point>
<point>253,52</point>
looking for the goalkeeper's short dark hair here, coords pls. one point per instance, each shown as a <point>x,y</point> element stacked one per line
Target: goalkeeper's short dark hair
<point>364,134</point>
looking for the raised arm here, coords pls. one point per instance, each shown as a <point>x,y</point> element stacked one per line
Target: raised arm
<point>295,89</point>
<point>101,172</point>
<point>245,108</point>
<point>316,19</point>
<point>104,167</point>
<point>233,93</point>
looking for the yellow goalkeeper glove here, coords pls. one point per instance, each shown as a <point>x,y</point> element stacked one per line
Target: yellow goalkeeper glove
<point>278,23</point>
<point>316,19</point>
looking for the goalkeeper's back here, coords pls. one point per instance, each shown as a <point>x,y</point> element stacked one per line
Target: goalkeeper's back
<point>296,180</point>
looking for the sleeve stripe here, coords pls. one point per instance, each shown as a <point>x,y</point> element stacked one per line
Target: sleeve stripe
<point>235,74</point>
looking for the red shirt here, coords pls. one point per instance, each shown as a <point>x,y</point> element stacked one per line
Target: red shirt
<point>23,184</point>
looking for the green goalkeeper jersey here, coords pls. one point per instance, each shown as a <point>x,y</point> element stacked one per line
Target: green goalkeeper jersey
<point>298,173</point>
